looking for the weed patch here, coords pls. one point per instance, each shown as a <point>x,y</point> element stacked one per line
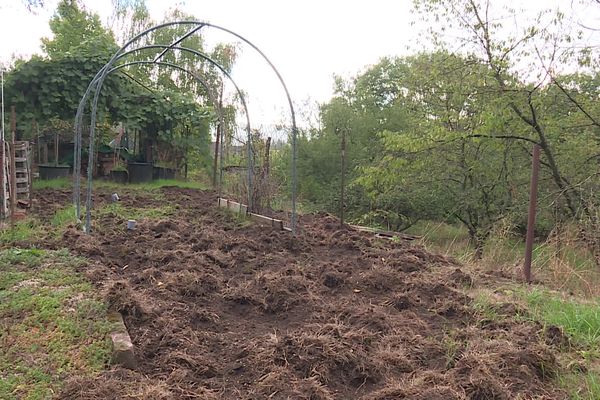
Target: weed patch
<point>53,325</point>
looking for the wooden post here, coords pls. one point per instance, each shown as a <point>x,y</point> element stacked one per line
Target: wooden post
<point>13,166</point>
<point>535,168</point>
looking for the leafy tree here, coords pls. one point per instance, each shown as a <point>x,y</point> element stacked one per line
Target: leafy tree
<point>539,47</point>
<point>446,163</point>
<point>45,89</point>
<point>77,31</point>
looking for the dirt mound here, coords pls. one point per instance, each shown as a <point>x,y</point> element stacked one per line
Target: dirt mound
<point>222,309</point>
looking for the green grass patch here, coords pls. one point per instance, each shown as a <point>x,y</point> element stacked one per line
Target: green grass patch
<point>153,185</point>
<point>66,183</point>
<point>64,217</point>
<point>59,183</point>
<point>31,229</point>
<point>580,320</point>
<point>58,326</point>
<point>22,230</point>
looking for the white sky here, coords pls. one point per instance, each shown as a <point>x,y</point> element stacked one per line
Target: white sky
<point>309,41</point>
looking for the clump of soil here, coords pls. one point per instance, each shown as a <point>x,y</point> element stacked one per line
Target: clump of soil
<point>219,309</point>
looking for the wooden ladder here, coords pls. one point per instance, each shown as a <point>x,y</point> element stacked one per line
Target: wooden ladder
<point>19,178</point>
<point>22,174</point>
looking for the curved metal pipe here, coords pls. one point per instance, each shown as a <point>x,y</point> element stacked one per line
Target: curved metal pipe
<point>101,75</point>
<point>96,81</point>
<point>209,91</point>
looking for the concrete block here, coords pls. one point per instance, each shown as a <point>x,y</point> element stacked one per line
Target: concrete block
<point>122,349</point>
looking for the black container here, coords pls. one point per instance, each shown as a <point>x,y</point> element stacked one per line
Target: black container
<point>163,173</point>
<point>118,176</point>
<point>54,171</point>
<point>140,172</point>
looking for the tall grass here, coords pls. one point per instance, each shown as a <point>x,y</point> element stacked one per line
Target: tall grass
<point>562,261</point>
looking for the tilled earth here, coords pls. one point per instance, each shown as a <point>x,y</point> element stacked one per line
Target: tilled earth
<point>221,309</point>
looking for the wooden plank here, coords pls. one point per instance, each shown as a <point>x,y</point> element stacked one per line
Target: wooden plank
<point>382,233</point>
<point>260,219</point>
<point>233,206</point>
<point>268,221</point>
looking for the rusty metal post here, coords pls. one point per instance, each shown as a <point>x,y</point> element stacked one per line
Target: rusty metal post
<point>535,169</point>
<point>2,149</point>
<point>342,189</point>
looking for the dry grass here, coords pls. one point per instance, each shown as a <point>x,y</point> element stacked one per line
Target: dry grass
<point>562,262</point>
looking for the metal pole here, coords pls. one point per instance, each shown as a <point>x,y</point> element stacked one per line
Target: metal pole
<point>2,73</point>
<point>221,161</point>
<point>2,153</point>
<point>535,169</point>
<point>217,139</point>
<point>223,133</point>
<point>342,196</point>
<point>97,81</point>
<point>101,75</point>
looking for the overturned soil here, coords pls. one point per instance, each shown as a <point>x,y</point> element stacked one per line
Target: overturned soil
<point>221,309</point>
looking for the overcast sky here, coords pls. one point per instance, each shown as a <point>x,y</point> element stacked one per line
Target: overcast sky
<point>309,41</point>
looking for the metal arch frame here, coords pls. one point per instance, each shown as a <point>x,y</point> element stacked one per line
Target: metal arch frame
<point>78,133</point>
<point>101,75</point>
<point>239,92</point>
<point>209,91</point>
<point>79,117</point>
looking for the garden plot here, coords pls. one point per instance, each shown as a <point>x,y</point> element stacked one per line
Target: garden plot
<point>218,307</point>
